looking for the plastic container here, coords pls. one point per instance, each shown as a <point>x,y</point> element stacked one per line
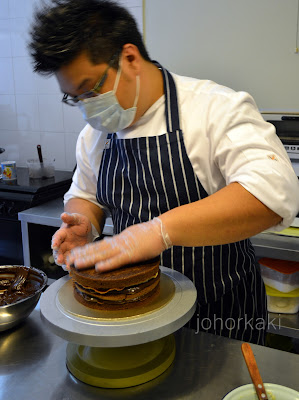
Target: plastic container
<point>9,170</point>
<point>280,274</point>
<point>38,170</point>
<point>284,303</point>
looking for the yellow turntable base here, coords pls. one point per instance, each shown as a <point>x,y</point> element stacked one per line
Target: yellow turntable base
<point>120,367</point>
<point>120,350</point>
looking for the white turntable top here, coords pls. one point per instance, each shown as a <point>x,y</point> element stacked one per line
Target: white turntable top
<point>76,323</point>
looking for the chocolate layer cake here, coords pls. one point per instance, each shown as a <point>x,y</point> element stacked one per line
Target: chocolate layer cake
<point>123,288</point>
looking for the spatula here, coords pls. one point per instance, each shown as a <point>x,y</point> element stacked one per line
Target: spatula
<point>254,371</point>
<point>41,160</point>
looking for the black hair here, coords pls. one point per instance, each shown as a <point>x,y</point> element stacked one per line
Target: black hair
<point>63,29</point>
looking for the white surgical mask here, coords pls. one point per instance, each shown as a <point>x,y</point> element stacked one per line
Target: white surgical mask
<point>105,112</point>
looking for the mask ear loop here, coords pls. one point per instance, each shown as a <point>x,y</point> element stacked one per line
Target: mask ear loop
<point>117,76</point>
<point>117,81</point>
<point>137,90</point>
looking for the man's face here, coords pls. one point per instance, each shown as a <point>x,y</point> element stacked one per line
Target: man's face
<point>81,75</point>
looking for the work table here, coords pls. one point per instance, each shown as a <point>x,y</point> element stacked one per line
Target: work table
<point>32,366</point>
<point>265,244</point>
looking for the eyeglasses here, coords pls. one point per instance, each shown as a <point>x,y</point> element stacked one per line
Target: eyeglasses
<point>73,101</point>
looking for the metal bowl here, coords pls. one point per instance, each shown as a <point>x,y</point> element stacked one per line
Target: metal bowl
<point>15,312</point>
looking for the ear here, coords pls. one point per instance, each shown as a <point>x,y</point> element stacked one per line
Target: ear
<point>131,62</point>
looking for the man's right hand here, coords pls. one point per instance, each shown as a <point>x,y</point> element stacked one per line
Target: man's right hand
<point>76,230</point>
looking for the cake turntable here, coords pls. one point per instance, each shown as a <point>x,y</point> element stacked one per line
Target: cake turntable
<point>125,348</point>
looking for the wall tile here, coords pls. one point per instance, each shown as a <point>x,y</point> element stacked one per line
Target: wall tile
<point>28,141</point>
<point>31,111</point>
<point>137,14</point>
<point>6,76</point>
<point>21,8</point>
<point>4,9</point>
<point>53,147</point>
<point>5,40</point>
<point>50,113</point>
<point>70,150</point>
<point>73,119</point>
<point>11,145</point>
<point>47,85</point>
<point>8,115</point>
<point>24,78</point>
<point>19,37</point>
<point>3,155</point>
<point>27,112</point>
<point>130,3</point>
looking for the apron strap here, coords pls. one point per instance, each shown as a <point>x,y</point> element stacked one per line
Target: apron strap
<point>171,101</point>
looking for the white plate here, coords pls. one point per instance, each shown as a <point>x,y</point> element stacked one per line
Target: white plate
<point>274,392</point>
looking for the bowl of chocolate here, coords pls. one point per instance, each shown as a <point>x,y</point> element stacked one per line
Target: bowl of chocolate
<point>20,290</point>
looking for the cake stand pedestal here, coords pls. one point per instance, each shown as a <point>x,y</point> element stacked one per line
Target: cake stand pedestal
<point>124,348</point>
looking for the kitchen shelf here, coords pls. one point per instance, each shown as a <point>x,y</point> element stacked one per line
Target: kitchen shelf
<point>276,246</point>
<point>284,324</point>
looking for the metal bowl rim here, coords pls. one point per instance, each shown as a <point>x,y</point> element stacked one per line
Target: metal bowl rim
<point>38,271</point>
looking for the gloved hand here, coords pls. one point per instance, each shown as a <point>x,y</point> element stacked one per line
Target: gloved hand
<point>76,230</point>
<point>136,243</point>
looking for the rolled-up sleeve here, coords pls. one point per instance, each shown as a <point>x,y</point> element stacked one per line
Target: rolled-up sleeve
<point>249,152</point>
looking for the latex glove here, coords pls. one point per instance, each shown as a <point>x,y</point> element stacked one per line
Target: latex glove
<point>136,243</point>
<point>76,230</point>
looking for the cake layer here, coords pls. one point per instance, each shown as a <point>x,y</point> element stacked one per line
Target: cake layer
<point>131,293</point>
<point>126,276</point>
<point>126,287</point>
<point>118,306</point>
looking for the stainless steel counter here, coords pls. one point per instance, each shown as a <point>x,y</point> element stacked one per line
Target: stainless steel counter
<point>265,244</point>
<point>32,367</point>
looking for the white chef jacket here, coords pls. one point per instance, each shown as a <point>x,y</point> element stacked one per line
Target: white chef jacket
<point>226,140</point>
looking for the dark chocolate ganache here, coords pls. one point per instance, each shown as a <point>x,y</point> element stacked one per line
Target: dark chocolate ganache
<point>125,295</point>
<point>16,284</point>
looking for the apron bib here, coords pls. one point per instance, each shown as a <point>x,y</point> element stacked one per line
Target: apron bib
<point>141,178</point>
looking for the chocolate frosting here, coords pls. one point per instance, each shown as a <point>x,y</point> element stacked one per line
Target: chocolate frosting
<point>15,284</point>
<point>129,294</point>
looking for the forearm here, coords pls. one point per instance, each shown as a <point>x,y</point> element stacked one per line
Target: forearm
<point>230,215</point>
<point>94,213</point>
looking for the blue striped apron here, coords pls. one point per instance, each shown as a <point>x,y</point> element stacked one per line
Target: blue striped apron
<point>141,178</point>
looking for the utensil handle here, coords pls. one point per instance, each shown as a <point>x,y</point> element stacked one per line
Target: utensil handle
<point>254,371</point>
<point>39,152</point>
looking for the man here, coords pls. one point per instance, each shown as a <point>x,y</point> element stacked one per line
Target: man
<point>187,168</point>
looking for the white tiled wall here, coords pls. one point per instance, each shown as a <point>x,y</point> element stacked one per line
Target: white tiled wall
<point>31,111</point>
